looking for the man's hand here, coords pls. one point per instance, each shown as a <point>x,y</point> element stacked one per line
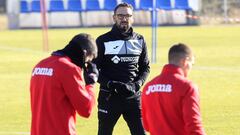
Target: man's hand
<point>91,73</point>
<point>123,89</point>
<point>113,85</point>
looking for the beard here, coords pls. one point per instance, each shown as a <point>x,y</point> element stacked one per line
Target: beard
<point>123,26</point>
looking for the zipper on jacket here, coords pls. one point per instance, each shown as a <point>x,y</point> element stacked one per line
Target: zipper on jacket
<point>125,45</point>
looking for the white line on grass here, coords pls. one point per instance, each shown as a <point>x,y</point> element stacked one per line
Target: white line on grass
<point>14,133</point>
<point>16,49</point>
<point>220,68</point>
<point>210,68</point>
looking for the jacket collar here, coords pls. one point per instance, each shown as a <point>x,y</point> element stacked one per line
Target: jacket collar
<point>120,34</point>
<point>172,69</point>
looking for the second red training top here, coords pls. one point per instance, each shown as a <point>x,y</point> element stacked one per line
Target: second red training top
<point>170,104</point>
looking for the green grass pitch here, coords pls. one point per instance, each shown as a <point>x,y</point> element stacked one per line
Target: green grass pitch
<point>216,71</point>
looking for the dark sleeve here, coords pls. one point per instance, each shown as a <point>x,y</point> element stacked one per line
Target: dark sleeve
<point>143,63</point>
<point>102,80</point>
<point>99,58</point>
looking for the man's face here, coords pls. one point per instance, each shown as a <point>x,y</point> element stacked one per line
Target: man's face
<point>123,18</point>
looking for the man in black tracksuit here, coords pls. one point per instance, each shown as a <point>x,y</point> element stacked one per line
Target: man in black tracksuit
<point>123,68</point>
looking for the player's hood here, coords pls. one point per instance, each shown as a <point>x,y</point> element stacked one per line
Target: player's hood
<point>74,52</point>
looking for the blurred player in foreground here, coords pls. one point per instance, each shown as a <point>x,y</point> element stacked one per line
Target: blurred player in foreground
<point>170,102</point>
<point>62,85</point>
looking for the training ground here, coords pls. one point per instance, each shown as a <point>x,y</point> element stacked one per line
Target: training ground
<point>216,71</point>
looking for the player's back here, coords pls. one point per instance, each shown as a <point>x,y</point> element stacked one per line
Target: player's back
<point>52,112</point>
<point>162,103</point>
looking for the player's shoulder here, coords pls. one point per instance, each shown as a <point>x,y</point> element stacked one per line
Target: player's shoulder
<point>137,35</point>
<point>66,66</point>
<point>46,61</point>
<point>190,85</point>
<point>66,62</point>
<point>104,36</point>
<point>185,82</point>
<point>62,63</point>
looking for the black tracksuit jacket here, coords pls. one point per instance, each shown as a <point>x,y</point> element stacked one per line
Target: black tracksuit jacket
<point>122,57</point>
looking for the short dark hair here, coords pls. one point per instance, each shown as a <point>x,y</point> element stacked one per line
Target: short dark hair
<point>124,4</point>
<point>81,46</point>
<point>178,51</point>
<point>86,42</point>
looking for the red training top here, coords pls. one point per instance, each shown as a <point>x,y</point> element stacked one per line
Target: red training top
<point>170,104</point>
<point>58,91</point>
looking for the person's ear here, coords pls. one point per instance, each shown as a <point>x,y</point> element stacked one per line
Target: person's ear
<point>182,62</point>
<point>114,18</point>
<point>131,19</point>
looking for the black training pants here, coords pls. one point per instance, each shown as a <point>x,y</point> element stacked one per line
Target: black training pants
<point>110,108</point>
